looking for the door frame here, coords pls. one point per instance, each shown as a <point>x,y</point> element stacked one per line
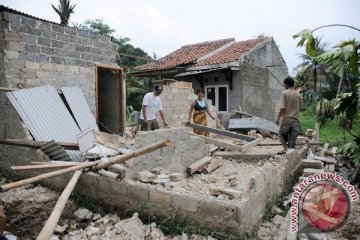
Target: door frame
<point>217,96</point>
<point>122,94</point>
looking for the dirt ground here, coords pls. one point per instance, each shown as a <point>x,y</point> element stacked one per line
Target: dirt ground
<point>28,208</point>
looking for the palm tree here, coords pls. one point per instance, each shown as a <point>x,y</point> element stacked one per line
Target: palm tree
<point>310,64</point>
<point>64,10</point>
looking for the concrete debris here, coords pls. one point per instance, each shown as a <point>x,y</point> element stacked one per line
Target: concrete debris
<point>277,211</point>
<point>133,226</point>
<point>83,214</point>
<point>146,176</point>
<point>176,177</point>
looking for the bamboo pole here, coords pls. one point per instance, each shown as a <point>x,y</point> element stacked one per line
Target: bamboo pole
<point>37,144</point>
<point>52,221</point>
<point>136,153</point>
<point>7,89</point>
<point>41,177</point>
<point>42,166</point>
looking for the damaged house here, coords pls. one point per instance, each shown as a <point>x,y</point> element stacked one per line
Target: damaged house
<point>35,52</point>
<point>246,74</point>
<point>59,70</point>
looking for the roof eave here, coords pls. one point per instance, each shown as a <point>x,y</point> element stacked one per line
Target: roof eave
<point>212,66</point>
<point>149,73</point>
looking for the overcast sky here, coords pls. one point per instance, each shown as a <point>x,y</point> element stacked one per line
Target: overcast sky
<point>162,26</point>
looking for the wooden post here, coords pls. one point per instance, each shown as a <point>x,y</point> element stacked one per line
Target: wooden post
<point>52,221</point>
<point>38,178</point>
<point>136,153</point>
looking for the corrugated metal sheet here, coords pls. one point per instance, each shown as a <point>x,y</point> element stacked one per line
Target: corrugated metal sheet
<point>45,115</point>
<point>55,151</point>
<point>79,108</point>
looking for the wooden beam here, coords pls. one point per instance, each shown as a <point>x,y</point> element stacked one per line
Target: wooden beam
<point>244,156</point>
<point>214,164</point>
<point>198,165</point>
<point>246,147</point>
<point>222,132</point>
<point>219,143</point>
<point>37,144</point>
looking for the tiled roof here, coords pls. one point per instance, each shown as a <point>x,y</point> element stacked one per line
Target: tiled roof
<point>232,53</point>
<point>186,55</point>
<point>190,55</point>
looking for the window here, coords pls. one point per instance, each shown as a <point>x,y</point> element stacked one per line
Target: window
<point>218,94</point>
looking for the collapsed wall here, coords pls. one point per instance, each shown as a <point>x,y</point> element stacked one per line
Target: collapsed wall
<point>239,216</point>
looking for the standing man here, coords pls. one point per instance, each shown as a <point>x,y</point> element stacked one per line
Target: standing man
<point>290,104</point>
<point>151,104</point>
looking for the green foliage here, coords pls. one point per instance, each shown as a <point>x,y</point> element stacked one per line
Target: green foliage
<point>347,105</point>
<point>96,26</point>
<point>64,10</point>
<point>306,38</point>
<point>351,150</point>
<point>324,112</point>
<point>343,58</point>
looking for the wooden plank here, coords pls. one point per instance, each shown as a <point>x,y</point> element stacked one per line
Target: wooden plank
<point>198,165</point>
<point>219,143</point>
<point>244,156</point>
<point>250,145</point>
<point>214,164</point>
<point>37,144</point>
<point>253,123</point>
<point>222,132</point>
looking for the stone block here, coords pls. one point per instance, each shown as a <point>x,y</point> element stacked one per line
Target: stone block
<point>49,34</point>
<point>11,54</point>
<point>43,41</point>
<point>34,31</point>
<point>16,46</point>
<point>214,209</point>
<point>184,202</point>
<point>311,171</point>
<point>62,37</point>
<point>308,163</point>
<point>83,34</point>
<point>138,193</point>
<point>32,65</point>
<point>43,58</point>
<point>27,21</point>
<point>57,28</point>
<point>160,198</point>
<point>57,44</point>
<point>11,36</point>
<point>47,50</point>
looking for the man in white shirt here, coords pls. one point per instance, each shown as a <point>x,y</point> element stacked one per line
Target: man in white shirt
<point>151,104</point>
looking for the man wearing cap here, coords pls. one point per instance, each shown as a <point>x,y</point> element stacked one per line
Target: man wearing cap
<point>151,104</point>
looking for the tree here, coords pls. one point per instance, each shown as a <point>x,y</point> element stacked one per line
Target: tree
<point>343,60</point>
<point>64,10</point>
<point>310,64</point>
<point>96,26</point>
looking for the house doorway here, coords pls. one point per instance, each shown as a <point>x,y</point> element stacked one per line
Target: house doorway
<point>218,94</point>
<point>110,99</point>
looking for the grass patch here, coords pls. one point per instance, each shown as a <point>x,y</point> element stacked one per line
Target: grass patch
<point>330,133</point>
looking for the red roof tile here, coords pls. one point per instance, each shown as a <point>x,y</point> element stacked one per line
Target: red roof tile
<point>185,56</point>
<point>232,53</point>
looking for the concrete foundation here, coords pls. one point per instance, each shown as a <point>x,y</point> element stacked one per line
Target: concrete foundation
<point>239,217</point>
